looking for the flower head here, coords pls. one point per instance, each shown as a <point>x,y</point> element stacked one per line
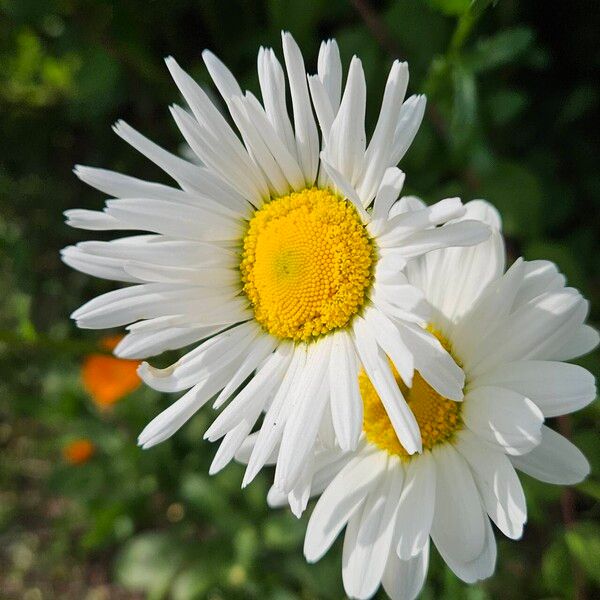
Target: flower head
<point>280,256</point>
<point>108,379</point>
<point>511,332</point>
<point>79,451</point>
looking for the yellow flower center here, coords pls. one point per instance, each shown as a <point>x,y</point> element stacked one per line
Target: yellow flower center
<point>438,418</point>
<point>307,264</point>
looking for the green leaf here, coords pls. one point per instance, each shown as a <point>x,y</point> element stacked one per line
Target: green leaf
<point>516,193</point>
<point>464,112</point>
<point>283,532</point>
<point>451,7</point>
<point>149,563</point>
<point>504,105</point>
<point>192,583</point>
<point>501,49</point>
<point>591,488</point>
<point>583,542</point>
<point>246,545</point>
<point>557,574</point>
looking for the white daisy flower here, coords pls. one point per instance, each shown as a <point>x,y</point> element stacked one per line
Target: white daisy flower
<point>281,254</point>
<point>511,333</point>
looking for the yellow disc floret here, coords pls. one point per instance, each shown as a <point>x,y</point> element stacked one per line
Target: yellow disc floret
<point>438,418</point>
<point>307,264</point>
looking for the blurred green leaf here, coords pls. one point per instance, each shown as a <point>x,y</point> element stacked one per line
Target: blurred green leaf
<point>500,49</point>
<point>557,574</point>
<point>451,7</point>
<point>192,583</point>
<point>149,563</point>
<point>464,112</point>
<point>283,531</point>
<point>516,193</point>
<point>581,100</point>
<point>504,105</point>
<point>583,542</point>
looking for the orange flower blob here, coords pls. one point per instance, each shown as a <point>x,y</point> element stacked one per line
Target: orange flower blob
<point>78,451</point>
<point>108,379</point>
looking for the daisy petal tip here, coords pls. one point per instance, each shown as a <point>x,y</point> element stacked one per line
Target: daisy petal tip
<point>216,466</point>
<point>582,472</point>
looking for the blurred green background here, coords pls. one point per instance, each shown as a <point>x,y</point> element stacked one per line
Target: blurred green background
<point>512,109</point>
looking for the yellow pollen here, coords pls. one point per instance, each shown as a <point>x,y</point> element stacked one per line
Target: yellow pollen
<point>438,418</point>
<point>307,264</point>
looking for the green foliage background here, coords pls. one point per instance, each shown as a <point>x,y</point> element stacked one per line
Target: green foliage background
<point>512,110</point>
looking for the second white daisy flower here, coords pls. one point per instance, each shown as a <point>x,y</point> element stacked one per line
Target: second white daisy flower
<point>511,332</point>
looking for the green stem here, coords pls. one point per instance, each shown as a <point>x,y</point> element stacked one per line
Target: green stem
<point>39,342</point>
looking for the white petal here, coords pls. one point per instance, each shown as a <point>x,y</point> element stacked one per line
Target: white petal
<point>187,175</point>
<point>253,397</point>
<point>456,277</point>
<point>151,300</point>
<point>97,266</point>
<point>224,80</point>
<point>302,426</point>
<point>554,460</point>
<point>329,68</point>
<point>376,365</point>
<point>409,120</point>
<point>541,276</point>
<point>161,250</point>
<point>277,414</point>
<point>387,194</point>
<point>226,348</point>
<point>345,146</point>
<point>307,138</point>
<point>479,568</point>
<point>180,221</point>
<point>300,494</point>
<point>407,223</point>
<point>340,500</point>
<point>141,344</point>
<point>93,220</point>
<point>227,280</point>
<point>404,579</point>
<point>582,340</point>
<point>285,159</point>
<point>491,309</point>
<point>345,399</point>
<point>258,149</point>
<point>497,482</point>
<point>345,188</point>
<point>365,557</point>
<point>386,335</point>
<point>272,87</point>
<point>530,332</point>
<point>557,388</point>
<point>503,417</point>
<point>463,233</point>
<point>259,351</point>
<point>416,506</point>
<point>232,164</point>
<point>458,527</point>
<point>214,123</point>
<point>229,446</point>
<point>322,104</point>
<point>433,362</point>
<point>378,156</point>
<point>170,420</point>
<point>215,194</point>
